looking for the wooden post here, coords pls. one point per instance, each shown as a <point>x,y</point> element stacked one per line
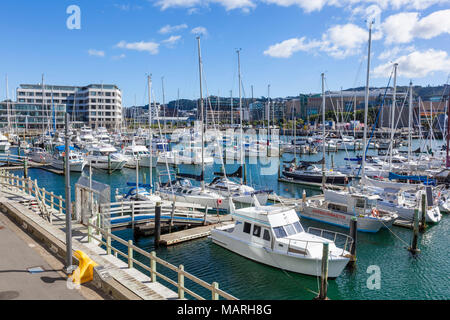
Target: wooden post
<point>109,165</point>
<point>353,235</point>
<point>25,168</point>
<point>60,205</point>
<point>324,274</point>
<point>413,249</point>
<point>181,282</point>
<point>423,224</point>
<point>153,266</point>
<point>214,287</point>
<point>157,223</point>
<point>130,254</point>
<point>52,199</point>
<point>206,214</point>
<point>132,214</point>
<point>108,241</point>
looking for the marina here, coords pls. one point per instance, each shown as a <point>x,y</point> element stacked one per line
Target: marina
<point>162,165</point>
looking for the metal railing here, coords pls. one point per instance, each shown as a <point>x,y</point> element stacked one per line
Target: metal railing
<point>348,240</point>
<point>48,202</point>
<point>216,293</point>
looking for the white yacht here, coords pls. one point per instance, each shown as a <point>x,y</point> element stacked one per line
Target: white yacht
<point>182,190</point>
<point>105,157</point>
<point>76,160</point>
<point>4,143</point>
<point>139,153</point>
<point>38,155</point>
<point>191,155</point>
<point>274,236</point>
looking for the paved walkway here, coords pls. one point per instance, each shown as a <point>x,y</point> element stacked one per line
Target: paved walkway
<point>19,254</point>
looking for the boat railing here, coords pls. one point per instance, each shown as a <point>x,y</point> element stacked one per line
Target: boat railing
<point>340,240</point>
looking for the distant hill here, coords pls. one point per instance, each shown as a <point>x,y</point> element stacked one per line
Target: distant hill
<point>424,92</point>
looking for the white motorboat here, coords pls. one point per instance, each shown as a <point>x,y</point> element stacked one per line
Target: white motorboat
<point>135,153</point>
<point>182,190</point>
<point>4,143</point>
<point>105,157</point>
<point>38,155</point>
<point>240,193</point>
<point>274,236</point>
<point>76,160</point>
<point>191,155</point>
<point>338,208</point>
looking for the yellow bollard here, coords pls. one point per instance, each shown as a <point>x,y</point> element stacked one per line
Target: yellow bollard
<point>85,270</point>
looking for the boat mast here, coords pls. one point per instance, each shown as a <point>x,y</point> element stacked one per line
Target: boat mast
<point>240,116</point>
<point>366,103</point>
<point>202,114</point>
<point>409,123</point>
<point>150,136</point>
<point>231,106</point>
<point>447,162</point>
<point>392,115</point>
<point>323,131</point>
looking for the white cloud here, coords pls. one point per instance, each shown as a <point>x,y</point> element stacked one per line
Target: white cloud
<point>151,47</point>
<point>305,5</point>
<point>200,31</point>
<point>171,41</point>
<point>169,29</point>
<point>404,27</point>
<point>96,53</point>
<point>245,5</point>
<point>339,41</point>
<point>286,48</point>
<point>416,64</point>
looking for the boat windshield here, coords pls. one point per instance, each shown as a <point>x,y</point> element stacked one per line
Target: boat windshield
<point>288,230</point>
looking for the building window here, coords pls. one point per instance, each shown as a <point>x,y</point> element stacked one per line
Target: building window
<point>247,227</point>
<point>256,231</point>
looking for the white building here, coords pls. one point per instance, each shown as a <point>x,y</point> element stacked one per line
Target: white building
<point>95,105</point>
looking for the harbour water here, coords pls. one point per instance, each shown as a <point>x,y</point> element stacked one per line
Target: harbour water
<point>401,275</point>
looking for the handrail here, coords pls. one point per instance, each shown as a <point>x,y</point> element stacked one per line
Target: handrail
<point>215,291</point>
<point>31,187</point>
<point>348,239</point>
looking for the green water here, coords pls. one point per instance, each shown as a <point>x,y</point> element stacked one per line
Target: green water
<point>402,276</point>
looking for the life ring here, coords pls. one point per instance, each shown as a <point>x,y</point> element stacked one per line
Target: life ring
<point>375,213</point>
<point>219,202</point>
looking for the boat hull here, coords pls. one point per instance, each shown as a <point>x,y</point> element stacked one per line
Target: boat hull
<point>291,262</point>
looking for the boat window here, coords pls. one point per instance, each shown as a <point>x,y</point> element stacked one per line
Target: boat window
<point>298,227</point>
<point>290,229</point>
<point>279,232</point>
<point>256,231</point>
<point>266,235</point>
<point>360,203</point>
<point>247,227</point>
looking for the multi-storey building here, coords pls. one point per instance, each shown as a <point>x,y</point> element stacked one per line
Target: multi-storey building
<point>31,115</point>
<point>95,105</point>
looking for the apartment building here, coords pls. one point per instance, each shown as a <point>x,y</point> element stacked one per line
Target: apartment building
<point>94,105</point>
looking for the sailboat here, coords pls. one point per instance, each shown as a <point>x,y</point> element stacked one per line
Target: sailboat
<point>307,171</point>
<point>181,189</point>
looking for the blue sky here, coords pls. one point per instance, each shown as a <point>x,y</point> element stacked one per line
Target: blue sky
<point>285,43</point>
